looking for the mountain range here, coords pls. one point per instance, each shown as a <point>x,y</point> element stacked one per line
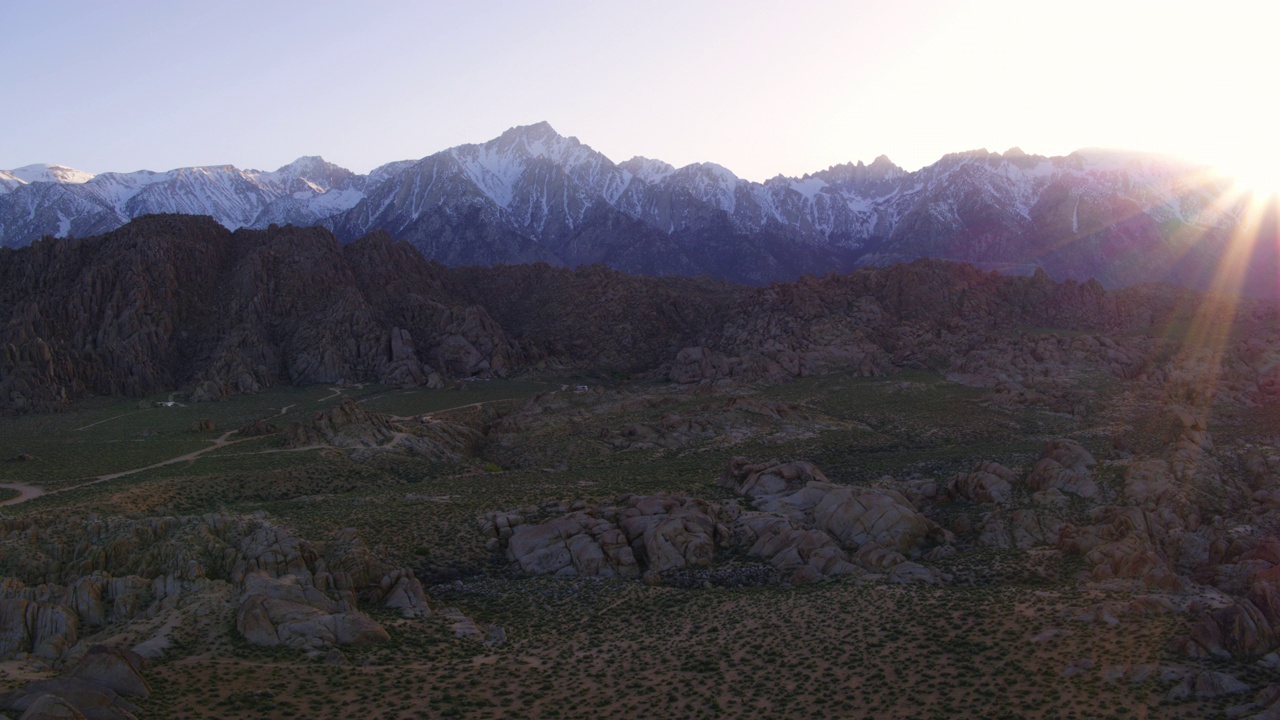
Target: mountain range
<point>533,195</point>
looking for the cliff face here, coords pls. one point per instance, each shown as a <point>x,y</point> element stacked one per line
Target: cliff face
<point>170,301</point>
<point>106,315</point>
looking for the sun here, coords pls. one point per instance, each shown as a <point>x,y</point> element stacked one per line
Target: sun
<point>1255,175</point>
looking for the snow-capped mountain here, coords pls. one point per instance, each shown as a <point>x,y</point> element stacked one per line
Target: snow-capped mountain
<point>531,194</point>
<point>41,173</point>
<point>52,200</point>
<point>44,172</point>
<point>9,181</point>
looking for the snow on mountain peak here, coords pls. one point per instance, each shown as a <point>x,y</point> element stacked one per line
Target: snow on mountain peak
<point>47,172</point>
<point>305,165</point>
<point>310,173</point>
<point>539,140</point>
<point>647,169</point>
<point>882,168</point>
<point>8,181</point>
<point>715,183</point>
<point>535,132</point>
<point>719,173</point>
<point>497,166</point>
<point>536,184</point>
<point>385,172</point>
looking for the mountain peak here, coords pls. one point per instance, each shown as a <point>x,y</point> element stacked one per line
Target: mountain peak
<point>977,154</point>
<point>647,169</point>
<point>537,131</point>
<point>538,140</point>
<point>882,168</point>
<point>305,164</point>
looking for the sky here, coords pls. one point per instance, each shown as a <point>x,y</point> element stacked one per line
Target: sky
<point>763,88</point>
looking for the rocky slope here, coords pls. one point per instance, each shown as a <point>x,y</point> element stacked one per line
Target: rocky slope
<point>532,194</point>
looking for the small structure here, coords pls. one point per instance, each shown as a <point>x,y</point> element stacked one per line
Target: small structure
<point>166,403</point>
<point>581,388</point>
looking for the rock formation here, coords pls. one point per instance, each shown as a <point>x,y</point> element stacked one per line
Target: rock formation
<point>804,526</point>
<point>285,590</point>
<point>350,427</point>
<point>95,688</point>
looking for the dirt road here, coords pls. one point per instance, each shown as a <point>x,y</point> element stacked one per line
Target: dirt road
<point>25,493</point>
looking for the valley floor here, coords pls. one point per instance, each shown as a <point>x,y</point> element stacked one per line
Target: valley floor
<point>1010,632</point>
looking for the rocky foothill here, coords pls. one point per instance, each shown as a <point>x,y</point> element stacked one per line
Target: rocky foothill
<point>178,302</point>
<point>101,595</point>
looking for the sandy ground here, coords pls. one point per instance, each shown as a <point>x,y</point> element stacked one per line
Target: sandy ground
<point>25,493</point>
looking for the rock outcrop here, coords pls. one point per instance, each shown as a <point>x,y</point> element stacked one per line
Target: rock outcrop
<point>653,533</point>
<point>286,611</point>
<point>1064,466</point>
<point>988,482</point>
<point>350,427</point>
<point>95,688</point>
<point>76,576</point>
<point>804,525</point>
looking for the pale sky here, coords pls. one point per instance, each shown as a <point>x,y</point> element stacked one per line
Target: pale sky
<point>760,87</point>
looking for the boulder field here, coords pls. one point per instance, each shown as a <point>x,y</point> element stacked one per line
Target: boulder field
<point>131,581</point>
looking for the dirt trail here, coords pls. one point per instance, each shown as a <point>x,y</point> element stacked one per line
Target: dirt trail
<point>221,441</point>
<point>117,417</point>
<point>25,493</point>
<point>302,448</point>
<point>430,415</point>
<point>336,393</point>
<point>30,492</point>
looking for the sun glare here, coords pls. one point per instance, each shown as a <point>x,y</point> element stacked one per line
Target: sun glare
<point>1258,177</point>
